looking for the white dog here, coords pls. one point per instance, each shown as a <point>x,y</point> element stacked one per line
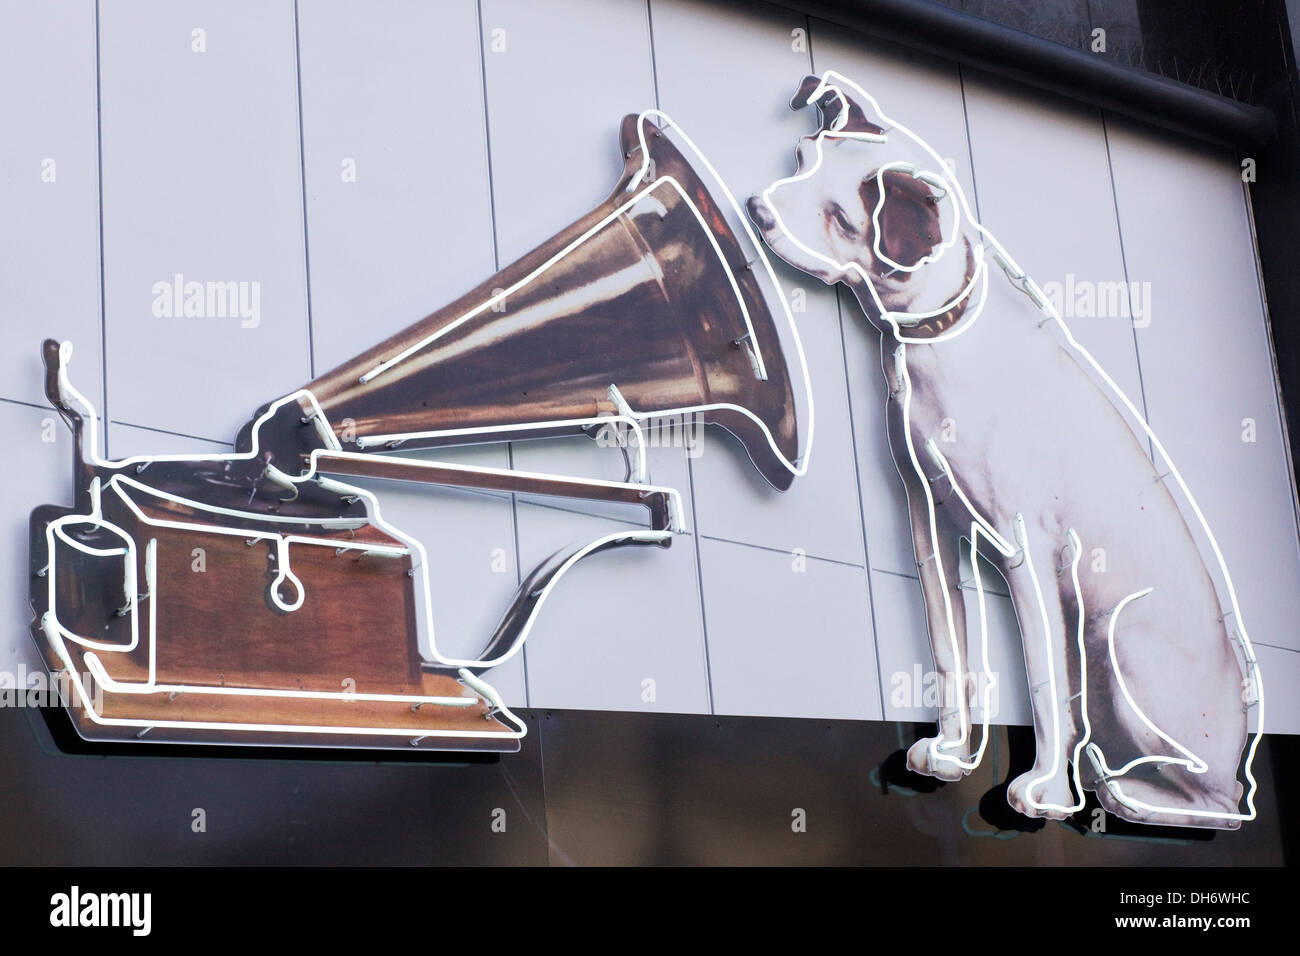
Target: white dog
<point>1008,434</point>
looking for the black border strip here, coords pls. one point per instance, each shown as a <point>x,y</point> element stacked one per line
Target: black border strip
<point>1082,76</point>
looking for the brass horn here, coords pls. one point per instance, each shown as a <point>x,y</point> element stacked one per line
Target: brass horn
<point>650,292</point>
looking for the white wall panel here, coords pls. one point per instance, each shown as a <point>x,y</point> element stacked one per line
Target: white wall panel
<point>127,441</point>
<point>1207,364</point>
<point>1280,669</point>
<point>803,647</point>
<point>202,176</point>
<point>1048,199</point>
<point>399,214</point>
<point>614,621</point>
<point>49,194</point>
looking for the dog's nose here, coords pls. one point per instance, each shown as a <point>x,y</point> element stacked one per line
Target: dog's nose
<point>761,215</point>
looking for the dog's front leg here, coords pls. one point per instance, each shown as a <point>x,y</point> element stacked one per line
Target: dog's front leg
<point>1044,790</point>
<point>938,565</point>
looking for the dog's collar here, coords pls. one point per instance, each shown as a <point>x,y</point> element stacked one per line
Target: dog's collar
<point>936,325</point>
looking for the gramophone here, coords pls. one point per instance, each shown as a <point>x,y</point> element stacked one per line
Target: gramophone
<point>258,597</point>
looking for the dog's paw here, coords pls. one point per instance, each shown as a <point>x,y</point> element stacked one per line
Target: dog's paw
<point>927,758</point>
<point>1051,795</point>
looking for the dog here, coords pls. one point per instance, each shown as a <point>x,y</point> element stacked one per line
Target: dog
<point>1009,435</point>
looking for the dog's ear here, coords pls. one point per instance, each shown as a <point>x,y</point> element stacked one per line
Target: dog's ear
<point>840,109</point>
<point>909,217</point>
<point>809,85</point>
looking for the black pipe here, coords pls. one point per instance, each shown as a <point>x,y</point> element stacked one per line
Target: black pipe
<point>1080,75</point>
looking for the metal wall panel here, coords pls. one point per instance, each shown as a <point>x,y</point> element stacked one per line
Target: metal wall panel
<point>200,160</point>
<point>49,194</point>
<point>1208,371</point>
<point>1048,199</point>
<point>622,629</point>
<point>396,166</point>
<point>788,634</point>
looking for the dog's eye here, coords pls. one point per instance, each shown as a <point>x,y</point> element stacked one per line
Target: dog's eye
<point>835,212</point>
